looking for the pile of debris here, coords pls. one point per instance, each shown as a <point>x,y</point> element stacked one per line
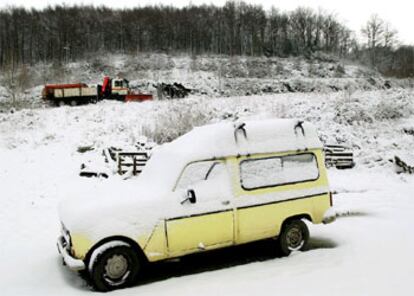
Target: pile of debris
<point>114,160</point>
<point>172,91</point>
<point>401,166</point>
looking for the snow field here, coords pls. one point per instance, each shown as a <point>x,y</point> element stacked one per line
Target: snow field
<point>367,251</point>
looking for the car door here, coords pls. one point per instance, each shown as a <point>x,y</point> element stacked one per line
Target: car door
<point>208,222</point>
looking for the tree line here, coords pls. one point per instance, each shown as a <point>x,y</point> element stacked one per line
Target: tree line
<point>61,33</point>
<point>66,33</point>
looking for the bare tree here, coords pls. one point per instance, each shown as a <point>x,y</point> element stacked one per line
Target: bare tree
<point>15,80</point>
<point>390,36</point>
<point>9,80</point>
<point>374,34</point>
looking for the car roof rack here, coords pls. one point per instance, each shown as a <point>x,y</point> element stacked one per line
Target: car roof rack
<point>239,127</point>
<point>299,125</point>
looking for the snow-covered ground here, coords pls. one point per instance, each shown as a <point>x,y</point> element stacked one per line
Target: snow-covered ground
<point>367,251</point>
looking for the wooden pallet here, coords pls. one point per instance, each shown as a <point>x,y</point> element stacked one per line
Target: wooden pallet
<point>131,160</point>
<point>127,160</point>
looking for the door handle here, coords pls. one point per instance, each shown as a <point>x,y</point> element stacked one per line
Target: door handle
<point>225,203</point>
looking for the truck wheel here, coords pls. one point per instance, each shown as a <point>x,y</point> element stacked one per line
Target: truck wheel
<point>61,103</point>
<point>73,103</point>
<point>113,265</point>
<point>294,236</point>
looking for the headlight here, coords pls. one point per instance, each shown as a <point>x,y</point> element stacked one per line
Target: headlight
<point>66,237</point>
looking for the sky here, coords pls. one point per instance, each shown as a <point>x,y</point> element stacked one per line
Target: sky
<point>354,13</point>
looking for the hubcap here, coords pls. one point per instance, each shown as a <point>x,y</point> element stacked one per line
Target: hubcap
<point>294,238</point>
<point>116,267</point>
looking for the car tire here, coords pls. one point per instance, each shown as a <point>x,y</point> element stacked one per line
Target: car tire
<point>113,266</point>
<point>293,237</point>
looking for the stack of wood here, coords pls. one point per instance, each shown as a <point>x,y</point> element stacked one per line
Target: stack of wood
<point>339,156</point>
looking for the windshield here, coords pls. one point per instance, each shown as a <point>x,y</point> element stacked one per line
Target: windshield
<point>196,172</point>
<point>162,170</point>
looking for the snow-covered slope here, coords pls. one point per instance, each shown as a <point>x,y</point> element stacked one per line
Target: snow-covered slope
<point>368,251</point>
<point>215,76</point>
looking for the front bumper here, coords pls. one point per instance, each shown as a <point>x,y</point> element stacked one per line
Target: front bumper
<point>71,262</point>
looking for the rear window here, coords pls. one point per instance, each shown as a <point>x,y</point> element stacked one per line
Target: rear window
<point>276,171</point>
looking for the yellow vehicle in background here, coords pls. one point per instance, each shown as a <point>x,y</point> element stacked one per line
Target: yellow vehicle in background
<point>219,185</point>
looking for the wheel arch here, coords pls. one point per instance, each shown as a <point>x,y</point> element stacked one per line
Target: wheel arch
<point>303,216</point>
<point>125,239</point>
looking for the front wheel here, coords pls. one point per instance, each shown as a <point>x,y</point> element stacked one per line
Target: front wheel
<point>294,236</point>
<point>113,265</point>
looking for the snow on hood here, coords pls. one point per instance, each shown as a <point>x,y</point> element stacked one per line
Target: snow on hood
<point>113,206</point>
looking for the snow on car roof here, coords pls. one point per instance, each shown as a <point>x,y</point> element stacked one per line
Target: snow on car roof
<point>249,137</point>
<point>226,139</point>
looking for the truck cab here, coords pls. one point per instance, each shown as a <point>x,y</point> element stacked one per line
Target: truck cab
<point>120,86</point>
<point>116,88</point>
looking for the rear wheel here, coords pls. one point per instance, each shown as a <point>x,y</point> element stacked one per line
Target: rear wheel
<point>113,265</point>
<point>73,103</point>
<point>294,236</point>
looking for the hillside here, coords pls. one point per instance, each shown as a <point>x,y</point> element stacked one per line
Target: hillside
<point>212,76</point>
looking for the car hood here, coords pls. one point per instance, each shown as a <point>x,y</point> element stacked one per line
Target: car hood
<point>114,207</point>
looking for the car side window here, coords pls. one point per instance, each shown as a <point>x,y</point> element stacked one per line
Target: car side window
<point>275,171</point>
<point>199,171</point>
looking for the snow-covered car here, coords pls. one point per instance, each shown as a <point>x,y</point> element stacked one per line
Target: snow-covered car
<point>219,185</point>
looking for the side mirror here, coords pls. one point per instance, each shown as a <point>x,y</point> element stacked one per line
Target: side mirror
<point>191,197</point>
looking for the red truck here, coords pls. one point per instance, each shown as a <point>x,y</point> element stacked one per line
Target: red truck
<point>80,93</point>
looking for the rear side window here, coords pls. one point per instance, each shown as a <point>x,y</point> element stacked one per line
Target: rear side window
<point>275,171</point>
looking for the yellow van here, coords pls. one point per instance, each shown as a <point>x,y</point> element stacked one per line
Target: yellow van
<point>219,185</point>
